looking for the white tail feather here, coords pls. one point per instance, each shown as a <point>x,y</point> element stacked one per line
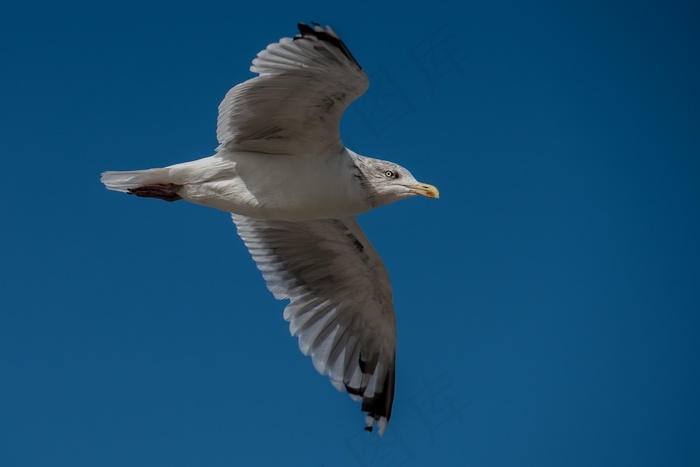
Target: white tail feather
<point>123,181</point>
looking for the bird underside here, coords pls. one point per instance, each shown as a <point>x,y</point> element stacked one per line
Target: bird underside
<point>164,191</point>
<point>295,190</point>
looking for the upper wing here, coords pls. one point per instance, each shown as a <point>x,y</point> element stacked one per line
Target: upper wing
<point>341,306</point>
<point>295,104</point>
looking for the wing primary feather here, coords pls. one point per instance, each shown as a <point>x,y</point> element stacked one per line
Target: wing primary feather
<point>340,305</point>
<point>327,35</point>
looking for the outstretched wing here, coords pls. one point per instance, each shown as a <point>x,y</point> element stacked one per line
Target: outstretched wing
<point>340,307</point>
<point>295,104</point>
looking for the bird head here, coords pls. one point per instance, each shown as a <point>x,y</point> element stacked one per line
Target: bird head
<point>389,182</point>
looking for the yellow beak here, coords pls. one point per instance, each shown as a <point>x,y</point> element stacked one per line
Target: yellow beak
<point>426,190</point>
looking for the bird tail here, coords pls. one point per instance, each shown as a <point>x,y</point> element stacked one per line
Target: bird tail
<point>125,181</point>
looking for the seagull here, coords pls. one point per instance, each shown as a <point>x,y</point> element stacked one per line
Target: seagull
<point>293,190</point>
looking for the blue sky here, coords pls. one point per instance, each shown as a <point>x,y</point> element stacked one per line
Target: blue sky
<point>548,305</point>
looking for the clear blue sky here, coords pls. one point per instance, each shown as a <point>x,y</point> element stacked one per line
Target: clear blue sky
<point>548,305</point>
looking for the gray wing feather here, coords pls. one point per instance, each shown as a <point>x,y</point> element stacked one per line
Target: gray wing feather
<point>295,104</point>
<point>341,306</point>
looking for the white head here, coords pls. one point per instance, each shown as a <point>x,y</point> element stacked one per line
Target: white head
<point>387,182</point>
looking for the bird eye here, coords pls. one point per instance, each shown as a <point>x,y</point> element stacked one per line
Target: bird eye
<point>389,174</point>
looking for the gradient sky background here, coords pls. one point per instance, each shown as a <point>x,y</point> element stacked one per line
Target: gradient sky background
<point>548,305</point>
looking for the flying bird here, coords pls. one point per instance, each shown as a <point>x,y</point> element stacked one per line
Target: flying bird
<point>293,190</point>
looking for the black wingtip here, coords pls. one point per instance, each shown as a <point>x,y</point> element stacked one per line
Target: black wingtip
<point>305,30</point>
<point>378,405</point>
<point>324,35</point>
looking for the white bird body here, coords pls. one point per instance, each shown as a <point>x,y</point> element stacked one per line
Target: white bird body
<point>293,190</point>
<point>233,181</point>
<point>235,185</point>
